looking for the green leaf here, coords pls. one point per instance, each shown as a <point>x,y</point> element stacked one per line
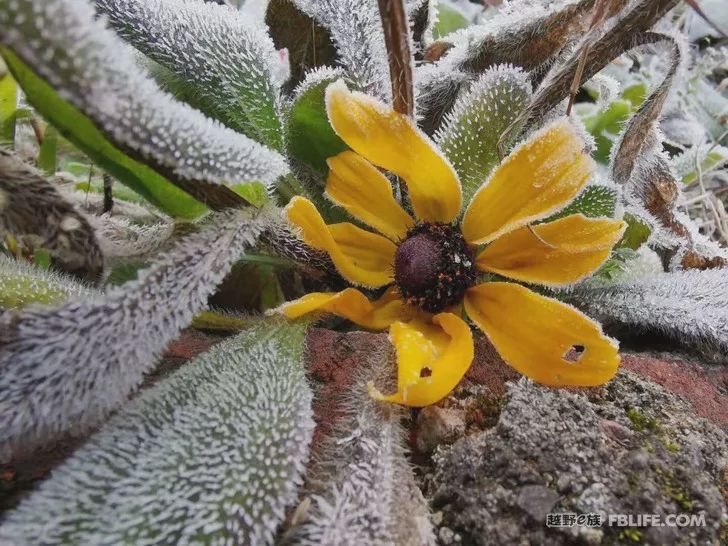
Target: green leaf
<point>606,125</point>
<point>48,151</point>
<point>310,138</point>
<point>254,193</point>
<point>80,130</point>
<point>448,20</point>
<point>8,106</point>
<point>594,202</point>
<point>636,233</point>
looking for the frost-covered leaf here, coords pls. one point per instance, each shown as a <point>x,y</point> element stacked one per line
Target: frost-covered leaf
<point>361,485</point>
<point>308,43</point>
<point>89,66</point>
<point>691,307</point>
<point>524,34</point>
<point>356,29</point>
<point>66,368</point>
<point>30,205</point>
<point>611,40</point>
<point>226,61</point>
<point>650,188</point>
<point>121,239</point>
<point>212,455</point>
<point>22,284</point>
<point>470,132</point>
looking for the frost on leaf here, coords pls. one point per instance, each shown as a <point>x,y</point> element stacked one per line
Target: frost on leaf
<point>356,29</point>
<point>66,368</point>
<point>22,284</point>
<point>362,488</point>
<point>690,307</point>
<point>87,64</point>
<point>469,135</point>
<point>214,454</point>
<point>224,61</point>
<point>121,239</point>
<point>651,189</point>
<point>30,205</point>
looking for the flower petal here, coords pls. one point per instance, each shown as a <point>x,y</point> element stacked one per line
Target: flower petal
<point>353,305</point>
<point>553,254</point>
<point>362,257</point>
<point>538,178</point>
<point>366,194</point>
<point>542,338</point>
<point>432,358</point>
<point>393,142</point>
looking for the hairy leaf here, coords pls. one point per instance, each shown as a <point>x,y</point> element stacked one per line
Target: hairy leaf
<point>362,487</point>
<point>227,62</point>
<point>651,190</point>
<point>68,367</point>
<point>356,29</point>
<point>469,135</point>
<point>212,455</point>
<point>22,284</point>
<point>30,205</point>
<point>691,307</point>
<point>99,77</point>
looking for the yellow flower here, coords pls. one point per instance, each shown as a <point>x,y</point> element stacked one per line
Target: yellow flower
<point>432,263</point>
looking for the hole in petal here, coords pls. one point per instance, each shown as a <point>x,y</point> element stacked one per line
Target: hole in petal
<point>574,353</point>
<point>425,372</point>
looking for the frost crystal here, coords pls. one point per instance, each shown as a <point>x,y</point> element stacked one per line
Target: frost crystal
<point>688,306</point>
<point>356,28</point>
<point>66,44</point>
<point>212,455</point>
<point>470,132</point>
<point>228,62</point>
<point>66,368</point>
<point>364,492</point>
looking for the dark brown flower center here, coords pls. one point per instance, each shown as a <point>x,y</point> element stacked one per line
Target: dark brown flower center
<point>434,266</point>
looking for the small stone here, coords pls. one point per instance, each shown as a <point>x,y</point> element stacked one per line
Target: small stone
<point>537,501</point>
<point>437,425</point>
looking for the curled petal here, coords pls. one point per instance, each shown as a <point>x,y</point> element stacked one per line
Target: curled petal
<point>353,305</point>
<point>366,194</point>
<point>432,358</point>
<point>393,142</point>
<point>553,254</point>
<point>539,177</point>
<point>542,338</point>
<point>362,257</point>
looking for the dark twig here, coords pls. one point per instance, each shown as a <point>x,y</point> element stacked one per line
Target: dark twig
<point>397,38</point>
<point>108,194</point>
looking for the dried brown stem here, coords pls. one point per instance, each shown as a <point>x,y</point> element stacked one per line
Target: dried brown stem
<point>397,39</point>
